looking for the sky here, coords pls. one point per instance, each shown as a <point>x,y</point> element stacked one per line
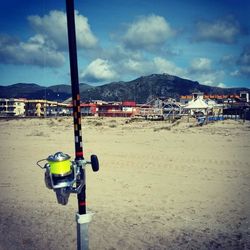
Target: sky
<point>206,41</point>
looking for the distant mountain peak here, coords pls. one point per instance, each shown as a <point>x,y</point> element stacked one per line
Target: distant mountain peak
<point>140,90</point>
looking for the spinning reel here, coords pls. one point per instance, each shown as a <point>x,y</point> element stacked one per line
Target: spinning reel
<point>65,176</point>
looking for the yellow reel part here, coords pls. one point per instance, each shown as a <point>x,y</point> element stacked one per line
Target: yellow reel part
<point>60,168</point>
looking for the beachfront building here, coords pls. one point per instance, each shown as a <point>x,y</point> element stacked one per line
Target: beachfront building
<point>36,108</point>
<point>218,98</point>
<point>238,108</point>
<point>207,104</point>
<point>43,108</point>
<point>231,106</point>
<point>111,110</point>
<point>107,109</point>
<point>3,106</point>
<point>215,108</point>
<point>188,98</point>
<point>117,109</point>
<point>12,107</point>
<point>244,95</point>
<point>89,109</point>
<point>129,108</point>
<point>57,109</point>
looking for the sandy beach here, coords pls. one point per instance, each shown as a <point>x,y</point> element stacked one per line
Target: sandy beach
<point>160,185</point>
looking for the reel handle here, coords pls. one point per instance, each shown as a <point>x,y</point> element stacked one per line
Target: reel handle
<point>94,163</point>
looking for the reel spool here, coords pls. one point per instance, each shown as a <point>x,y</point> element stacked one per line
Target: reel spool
<point>61,175</point>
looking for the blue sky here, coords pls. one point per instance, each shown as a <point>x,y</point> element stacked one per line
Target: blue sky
<point>205,41</point>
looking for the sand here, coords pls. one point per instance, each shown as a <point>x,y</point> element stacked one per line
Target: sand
<point>160,186</point>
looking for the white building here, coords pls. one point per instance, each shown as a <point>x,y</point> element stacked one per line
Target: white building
<point>245,96</point>
<point>12,107</point>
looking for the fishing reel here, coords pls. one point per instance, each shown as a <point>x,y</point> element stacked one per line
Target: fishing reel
<point>65,176</point>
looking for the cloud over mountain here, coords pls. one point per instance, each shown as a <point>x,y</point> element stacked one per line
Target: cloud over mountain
<point>202,69</point>
<point>201,64</point>
<point>164,66</point>
<point>98,70</point>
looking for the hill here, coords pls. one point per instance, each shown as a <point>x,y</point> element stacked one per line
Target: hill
<point>140,90</point>
<point>145,88</point>
<point>33,91</point>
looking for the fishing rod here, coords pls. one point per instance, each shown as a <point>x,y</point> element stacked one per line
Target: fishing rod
<point>61,174</point>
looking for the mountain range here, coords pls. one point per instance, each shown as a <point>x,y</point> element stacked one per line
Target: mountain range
<point>140,90</point>
<point>58,92</point>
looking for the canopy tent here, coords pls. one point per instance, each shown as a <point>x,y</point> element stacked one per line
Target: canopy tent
<point>196,104</point>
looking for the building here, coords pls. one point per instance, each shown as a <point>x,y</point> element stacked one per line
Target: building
<point>89,109</point>
<point>35,108</point>
<point>107,109</point>
<point>227,105</point>
<point>12,107</point>
<point>244,95</point>
<point>239,107</point>
<point>42,108</point>
<point>113,109</point>
<point>187,98</point>
<point>3,106</point>
<point>57,109</point>
<point>129,108</point>
<point>218,98</point>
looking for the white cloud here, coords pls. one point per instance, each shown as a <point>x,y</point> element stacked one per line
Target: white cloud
<point>228,60</point>
<point>46,47</point>
<point>202,70</point>
<point>54,27</point>
<point>201,64</point>
<point>159,65</point>
<point>245,70</point>
<point>134,66</point>
<point>244,58</point>
<point>242,64</point>
<point>221,85</point>
<point>156,65</point>
<point>213,78</point>
<point>235,73</point>
<point>147,32</point>
<point>119,53</point>
<point>36,51</point>
<point>101,70</point>
<point>226,30</point>
<point>164,66</point>
<point>98,70</point>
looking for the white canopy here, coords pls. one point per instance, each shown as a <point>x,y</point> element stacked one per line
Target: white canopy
<point>196,104</point>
